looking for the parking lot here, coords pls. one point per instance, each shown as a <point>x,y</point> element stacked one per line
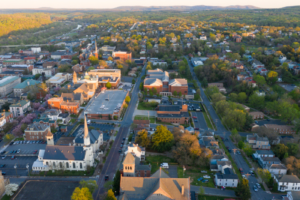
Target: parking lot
<point>199,121</point>
<point>20,162</point>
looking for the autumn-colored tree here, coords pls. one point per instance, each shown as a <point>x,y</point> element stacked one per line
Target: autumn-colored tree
<point>81,194</point>
<point>142,138</point>
<point>108,85</point>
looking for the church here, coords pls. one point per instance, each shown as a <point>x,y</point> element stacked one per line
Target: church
<point>58,157</point>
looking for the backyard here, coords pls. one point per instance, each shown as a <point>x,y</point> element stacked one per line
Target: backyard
<point>195,174</point>
<point>155,162</point>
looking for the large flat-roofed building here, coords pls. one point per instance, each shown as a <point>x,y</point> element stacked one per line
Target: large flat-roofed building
<point>122,55</point>
<point>107,75</point>
<point>173,114</point>
<point>106,104</point>
<point>7,84</point>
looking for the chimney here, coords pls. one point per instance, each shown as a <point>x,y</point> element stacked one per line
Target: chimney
<point>182,189</point>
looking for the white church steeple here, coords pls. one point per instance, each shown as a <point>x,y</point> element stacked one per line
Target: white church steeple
<point>86,137</point>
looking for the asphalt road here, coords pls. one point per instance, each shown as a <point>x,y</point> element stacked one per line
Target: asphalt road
<point>239,160</point>
<point>110,165</point>
<point>200,121</point>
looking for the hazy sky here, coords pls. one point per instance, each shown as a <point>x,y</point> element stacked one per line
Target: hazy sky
<point>96,4</point>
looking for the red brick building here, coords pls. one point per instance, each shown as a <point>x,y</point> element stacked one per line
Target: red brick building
<point>123,55</point>
<point>36,131</point>
<point>64,106</point>
<point>173,114</point>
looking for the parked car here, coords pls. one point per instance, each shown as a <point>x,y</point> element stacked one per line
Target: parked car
<point>3,152</point>
<point>3,157</point>
<point>19,150</point>
<point>206,176</point>
<point>3,173</point>
<point>3,165</point>
<point>258,185</point>
<point>120,150</point>
<point>200,179</point>
<point>205,181</point>
<point>241,170</point>
<point>106,177</point>
<point>35,151</point>
<point>13,157</point>
<point>194,117</point>
<point>195,120</point>
<point>11,143</point>
<point>255,188</point>
<point>88,121</point>
<point>164,165</point>
<point>124,138</point>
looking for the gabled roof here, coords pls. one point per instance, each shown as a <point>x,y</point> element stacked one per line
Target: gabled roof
<point>64,153</point>
<point>288,178</point>
<point>178,82</point>
<point>153,82</point>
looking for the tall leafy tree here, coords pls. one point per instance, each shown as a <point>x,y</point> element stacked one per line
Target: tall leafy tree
<point>142,138</point>
<point>162,139</point>
<point>81,194</point>
<point>116,183</point>
<point>243,190</point>
<point>90,184</point>
<point>110,195</point>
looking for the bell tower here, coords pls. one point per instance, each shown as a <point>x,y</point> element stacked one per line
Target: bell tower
<point>74,77</point>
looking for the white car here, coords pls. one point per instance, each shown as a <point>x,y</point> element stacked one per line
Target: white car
<point>3,157</point>
<point>258,185</point>
<point>164,165</point>
<point>88,121</point>
<point>206,176</point>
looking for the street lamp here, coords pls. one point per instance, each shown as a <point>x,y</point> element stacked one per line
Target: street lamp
<point>16,169</point>
<point>27,166</point>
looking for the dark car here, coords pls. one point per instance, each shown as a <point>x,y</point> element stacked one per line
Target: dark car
<point>120,150</point>
<point>121,145</point>
<point>3,173</point>
<point>106,177</point>
<point>3,152</point>
<point>124,138</point>
<point>13,157</point>
<point>11,143</point>
<point>3,165</point>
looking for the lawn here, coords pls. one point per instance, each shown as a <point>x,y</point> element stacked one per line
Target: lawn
<point>142,117</point>
<point>209,125</point>
<point>65,173</point>
<point>146,106</point>
<point>206,197</point>
<point>6,197</point>
<point>18,139</point>
<point>155,162</point>
<point>194,174</point>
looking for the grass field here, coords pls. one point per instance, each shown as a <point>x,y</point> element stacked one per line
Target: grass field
<point>194,174</point>
<point>142,117</point>
<point>145,106</point>
<point>155,162</point>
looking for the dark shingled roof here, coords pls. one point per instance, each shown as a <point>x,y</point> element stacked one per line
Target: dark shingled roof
<point>64,153</point>
<point>169,108</point>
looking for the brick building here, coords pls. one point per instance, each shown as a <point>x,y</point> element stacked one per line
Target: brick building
<point>122,55</point>
<point>107,75</point>
<point>64,106</point>
<point>36,131</point>
<point>173,114</point>
<point>281,129</point>
<point>257,115</point>
<point>55,102</point>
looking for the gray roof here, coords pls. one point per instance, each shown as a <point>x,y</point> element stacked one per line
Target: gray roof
<point>64,153</point>
<point>223,163</point>
<point>169,108</point>
<point>277,166</point>
<point>183,114</point>
<point>288,178</point>
<point>270,159</point>
<point>227,176</point>
<point>36,127</point>
<point>296,195</point>
<point>269,152</point>
<point>8,79</point>
<point>94,135</point>
<point>26,83</point>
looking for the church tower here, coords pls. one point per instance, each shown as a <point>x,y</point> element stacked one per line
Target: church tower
<point>86,137</point>
<point>74,77</point>
<point>96,49</point>
<point>49,138</point>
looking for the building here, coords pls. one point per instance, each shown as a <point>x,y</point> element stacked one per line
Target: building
<point>137,151</point>
<point>265,161</point>
<point>87,90</point>
<point>78,97</point>
<point>55,102</point>
<point>12,61</point>
<point>59,157</point>
<point>7,84</point>
<point>178,85</point>
<point>277,169</point>
<point>20,108</point>
<point>113,76</point>
<point>263,153</point>
<point>64,106</point>
<point>287,183</point>
<point>19,89</point>
<point>158,186</point>
<point>228,179</point>
<point>48,72</point>
<point>36,131</point>
<point>281,129</point>
<point>4,118</point>
<point>106,105</point>
<point>20,68</point>
<point>122,55</point>
<point>220,86</point>
<point>257,142</point>
<point>257,115</point>
<point>173,114</point>
<point>58,79</point>
<point>85,79</point>
<point>131,166</point>
<point>141,125</point>
<point>95,136</point>
<point>292,195</point>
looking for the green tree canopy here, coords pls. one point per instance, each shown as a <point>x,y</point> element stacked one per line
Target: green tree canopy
<point>162,139</point>
<point>243,190</point>
<point>90,184</point>
<point>116,184</point>
<point>108,85</point>
<point>142,138</point>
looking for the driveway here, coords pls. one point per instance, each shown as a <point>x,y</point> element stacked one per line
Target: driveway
<point>173,171</point>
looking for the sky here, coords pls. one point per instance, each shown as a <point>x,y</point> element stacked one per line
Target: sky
<point>100,4</point>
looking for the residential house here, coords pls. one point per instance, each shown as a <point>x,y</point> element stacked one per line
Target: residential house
<point>137,151</point>
<point>287,183</point>
<point>258,142</point>
<point>263,153</point>
<point>208,142</point>
<point>265,161</point>
<point>228,179</point>
<point>281,129</point>
<point>131,166</point>
<point>20,108</point>
<point>277,169</point>
<point>292,195</point>
<point>260,93</point>
<point>158,186</point>
<point>214,159</point>
<point>220,86</point>
<point>257,115</point>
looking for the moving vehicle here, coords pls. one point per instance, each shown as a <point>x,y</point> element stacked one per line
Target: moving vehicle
<point>164,165</point>
<point>106,177</point>
<point>258,185</point>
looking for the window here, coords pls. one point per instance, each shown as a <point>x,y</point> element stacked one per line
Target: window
<point>80,165</point>
<point>60,165</point>
<point>46,163</point>
<point>67,165</point>
<point>53,164</point>
<point>74,165</point>
<point>225,183</point>
<point>130,168</point>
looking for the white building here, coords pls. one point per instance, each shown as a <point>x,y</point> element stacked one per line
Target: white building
<point>58,157</point>
<point>294,195</point>
<point>47,72</point>
<point>287,183</point>
<point>36,49</point>
<point>277,169</point>
<point>136,151</point>
<point>58,79</point>
<point>20,108</point>
<point>203,37</point>
<point>229,179</point>
<point>7,84</point>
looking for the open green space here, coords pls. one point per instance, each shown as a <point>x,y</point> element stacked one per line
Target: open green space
<point>195,174</point>
<point>146,106</point>
<point>142,117</point>
<point>155,162</point>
